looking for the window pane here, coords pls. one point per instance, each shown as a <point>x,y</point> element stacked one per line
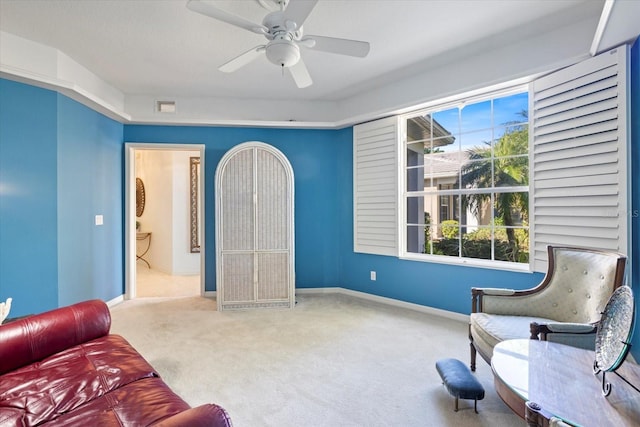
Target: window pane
<point>416,238</point>
<point>511,244</point>
<point>428,181</point>
<point>443,245</point>
<point>511,109</point>
<point>477,174</point>
<point>511,209</point>
<point>445,168</point>
<point>416,147</point>
<point>430,232</point>
<point>511,172</point>
<point>445,144</point>
<point>477,210</point>
<point>415,210</point>
<point>449,229</point>
<point>415,179</point>
<point>448,207</point>
<point>478,244</point>
<point>418,128</point>
<point>477,144</point>
<point>445,122</point>
<point>476,116</point>
<point>511,140</point>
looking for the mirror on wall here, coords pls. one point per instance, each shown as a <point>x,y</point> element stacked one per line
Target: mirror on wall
<point>140,197</point>
<point>194,185</point>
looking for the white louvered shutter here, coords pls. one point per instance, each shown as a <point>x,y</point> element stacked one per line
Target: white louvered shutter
<point>375,186</point>
<point>580,167</point>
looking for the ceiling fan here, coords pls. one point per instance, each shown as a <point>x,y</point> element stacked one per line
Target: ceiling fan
<point>283,30</point>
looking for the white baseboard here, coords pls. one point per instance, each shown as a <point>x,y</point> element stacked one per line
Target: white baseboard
<point>389,301</point>
<point>117,300</point>
<point>356,294</point>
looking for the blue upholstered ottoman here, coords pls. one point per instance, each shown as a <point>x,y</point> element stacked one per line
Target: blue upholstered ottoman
<point>459,381</point>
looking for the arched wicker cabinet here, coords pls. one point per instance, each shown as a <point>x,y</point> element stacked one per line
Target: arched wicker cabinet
<point>254,229</point>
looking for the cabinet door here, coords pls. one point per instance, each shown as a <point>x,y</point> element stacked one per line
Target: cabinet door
<point>272,227</point>
<point>272,201</point>
<point>237,243</point>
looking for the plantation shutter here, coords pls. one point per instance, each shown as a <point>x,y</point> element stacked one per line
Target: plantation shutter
<point>375,186</point>
<point>580,166</point>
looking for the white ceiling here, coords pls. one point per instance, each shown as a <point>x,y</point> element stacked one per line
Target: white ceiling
<point>160,49</point>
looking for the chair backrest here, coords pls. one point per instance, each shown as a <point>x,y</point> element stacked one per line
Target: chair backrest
<point>578,284</point>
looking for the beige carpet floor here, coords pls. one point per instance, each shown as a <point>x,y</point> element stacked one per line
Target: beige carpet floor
<point>154,283</point>
<point>333,360</point>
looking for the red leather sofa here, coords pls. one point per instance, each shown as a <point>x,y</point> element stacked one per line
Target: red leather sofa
<point>63,367</point>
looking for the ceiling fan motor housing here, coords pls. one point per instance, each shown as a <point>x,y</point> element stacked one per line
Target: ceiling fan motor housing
<point>283,52</point>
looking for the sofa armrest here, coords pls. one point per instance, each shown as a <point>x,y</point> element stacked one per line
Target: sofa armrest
<point>35,337</point>
<point>208,415</point>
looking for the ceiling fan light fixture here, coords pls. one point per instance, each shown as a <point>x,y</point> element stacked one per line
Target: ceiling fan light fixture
<point>282,52</point>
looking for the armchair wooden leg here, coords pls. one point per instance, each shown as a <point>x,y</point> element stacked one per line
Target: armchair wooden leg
<point>473,357</point>
<point>472,365</point>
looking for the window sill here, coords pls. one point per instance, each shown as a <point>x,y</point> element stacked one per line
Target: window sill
<point>469,262</point>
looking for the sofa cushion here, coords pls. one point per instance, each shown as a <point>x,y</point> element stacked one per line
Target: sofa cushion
<point>65,381</point>
<point>143,402</point>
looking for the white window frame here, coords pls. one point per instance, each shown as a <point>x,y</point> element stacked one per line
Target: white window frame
<point>402,211</point>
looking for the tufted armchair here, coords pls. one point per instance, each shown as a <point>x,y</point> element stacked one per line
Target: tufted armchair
<point>565,307</point>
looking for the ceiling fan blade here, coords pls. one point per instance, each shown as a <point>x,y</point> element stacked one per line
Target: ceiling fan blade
<point>298,10</point>
<point>335,45</point>
<point>300,74</point>
<point>211,11</point>
<point>242,60</point>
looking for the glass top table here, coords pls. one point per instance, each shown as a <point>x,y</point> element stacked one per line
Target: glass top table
<point>539,380</point>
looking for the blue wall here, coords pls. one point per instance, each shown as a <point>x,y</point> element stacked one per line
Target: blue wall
<point>89,184</point>
<point>312,154</point>
<point>60,164</point>
<point>28,205</point>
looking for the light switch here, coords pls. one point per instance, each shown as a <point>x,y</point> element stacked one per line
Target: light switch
<point>99,220</point>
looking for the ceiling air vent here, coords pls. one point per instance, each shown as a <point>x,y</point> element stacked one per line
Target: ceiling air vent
<point>165,106</point>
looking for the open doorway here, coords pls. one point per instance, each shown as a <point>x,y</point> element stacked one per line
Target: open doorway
<point>164,227</point>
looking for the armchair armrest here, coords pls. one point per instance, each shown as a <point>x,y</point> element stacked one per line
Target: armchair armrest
<point>477,295</point>
<point>540,331</point>
<point>497,291</point>
<point>572,328</point>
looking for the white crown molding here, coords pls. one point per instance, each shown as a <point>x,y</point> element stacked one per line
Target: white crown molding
<point>33,63</point>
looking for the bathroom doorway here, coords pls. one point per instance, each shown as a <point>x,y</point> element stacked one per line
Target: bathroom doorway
<point>164,226</point>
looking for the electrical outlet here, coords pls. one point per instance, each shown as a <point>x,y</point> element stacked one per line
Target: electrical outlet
<point>99,220</point>
<point>373,275</point>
